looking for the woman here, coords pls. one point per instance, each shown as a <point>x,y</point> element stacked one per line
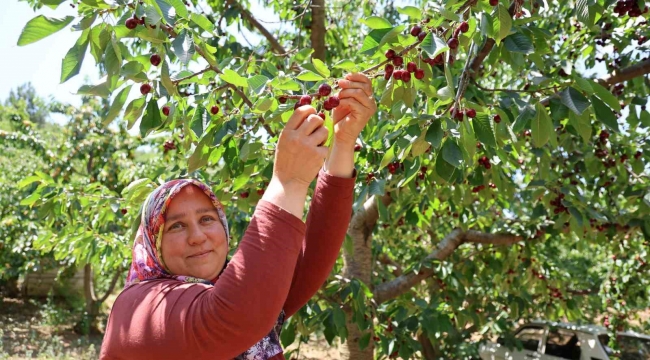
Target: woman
<point>183,301</point>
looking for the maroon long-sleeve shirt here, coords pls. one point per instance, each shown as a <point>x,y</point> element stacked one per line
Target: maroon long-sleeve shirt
<point>280,263</point>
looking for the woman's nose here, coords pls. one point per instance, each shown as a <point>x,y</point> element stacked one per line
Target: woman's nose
<point>197,235</point>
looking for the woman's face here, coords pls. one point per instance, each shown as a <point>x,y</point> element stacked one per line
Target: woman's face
<point>194,241</point>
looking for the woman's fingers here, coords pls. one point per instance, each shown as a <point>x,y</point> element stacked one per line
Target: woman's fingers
<point>310,124</point>
<point>319,136</point>
<point>298,117</point>
<point>360,96</point>
<point>356,81</point>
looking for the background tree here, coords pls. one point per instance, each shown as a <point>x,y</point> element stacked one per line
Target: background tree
<point>504,178</point>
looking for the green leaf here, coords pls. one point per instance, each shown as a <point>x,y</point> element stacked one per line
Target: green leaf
<point>582,124</point>
<point>134,111</point>
<point>307,75</point>
<point>372,40</point>
<point>262,105</point>
<point>584,85</point>
<point>202,22</point>
<point>73,60</point>
<point>257,83</point>
<point>183,47</point>
<point>321,67</point>
<point>376,22</point>
<point>199,120</point>
<point>166,80</point>
<point>347,65</point>
<point>117,105</point>
<point>574,100</point>
<point>152,15</point>
<point>444,169</point>
<point>582,12</point>
<point>604,114</point>
<point>112,63</point>
<point>151,119</point>
<point>52,4</point>
<point>501,23</point>
<point>606,96</point>
<point>522,121</point>
<point>519,43</point>
<point>434,134</point>
<point>388,157</point>
<point>452,153</point>
<point>199,157</point>
<point>433,45</point>
<point>101,90</point>
<point>542,126</point>
<point>41,27</point>
<point>231,77</point>
<point>410,11</point>
<point>483,129</point>
<point>468,139</point>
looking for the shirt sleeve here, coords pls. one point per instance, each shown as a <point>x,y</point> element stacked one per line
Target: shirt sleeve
<point>327,223</point>
<point>171,319</point>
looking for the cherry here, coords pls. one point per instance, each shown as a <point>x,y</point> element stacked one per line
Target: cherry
<point>334,101</point>
<point>497,118</point>
<point>165,110</point>
<point>411,67</point>
<point>324,90</point>
<point>145,89</point>
<point>397,75</point>
<point>422,35</point>
<point>124,211</point>
<point>214,110</point>
<point>398,61</point>
<point>283,99</point>
<point>406,76</point>
<point>260,192</point>
<point>327,105</point>
<point>390,54</point>
<point>388,71</point>
<point>155,59</point>
<point>471,113</point>
<point>321,115</point>
<point>357,147</point>
<point>464,27</point>
<point>369,177</point>
<point>244,195</point>
<point>494,2</point>
<point>452,43</point>
<point>169,145</point>
<point>131,23</point>
<point>305,100</point>
<point>416,30</point>
<point>419,74</point>
<point>638,154</point>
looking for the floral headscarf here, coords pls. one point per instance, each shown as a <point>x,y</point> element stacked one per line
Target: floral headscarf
<point>147,262</point>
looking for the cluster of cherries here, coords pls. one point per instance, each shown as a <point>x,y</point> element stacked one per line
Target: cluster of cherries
<point>324,90</point>
<point>133,22</point>
<point>169,145</point>
<point>459,114</point>
<point>481,187</point>
<point>155,60</point>
<point>629,7</point>
<point>394,166</point>
<point>485,162</point>
<point>559,207</point>
<point>618,89</point>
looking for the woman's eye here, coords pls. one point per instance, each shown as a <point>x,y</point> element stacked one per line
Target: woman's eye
<point>207,218</point>
<point>175,226</point>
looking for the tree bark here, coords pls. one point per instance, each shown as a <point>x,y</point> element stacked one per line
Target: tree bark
<point>318,19</point>
<point>358,264</point>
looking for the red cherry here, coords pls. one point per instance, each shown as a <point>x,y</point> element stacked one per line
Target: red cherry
<point>165,110</point>
<point>452,43</point>
<point>398,61</point>
<point>282,99</point>
<point>415,31</point>
<point>388,71</point>
<point>471,113</point>
<point>464,27</point>
<point>305,100</point>
<point>334,101</point>
<point>155,59</point>
<point>260,192</point>
<point>411,67</point>
<point>390,54</point>
<point>124,211</point>
<point>214,110</point>
<point>145,89</point>
<point>422,35</point>
<point>324,90</point>
<point>419,74</point>
<point>131,23</point>
<point>357,147</point>
<point>321,115</point>
<point>497,118</point>
<point>244,195</point>
<point>397,75</point>
<point>327,105</point>
<point>494,2</point>
<point>406,76</point>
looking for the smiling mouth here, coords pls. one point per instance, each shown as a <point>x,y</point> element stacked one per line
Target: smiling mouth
<point>201,254</point>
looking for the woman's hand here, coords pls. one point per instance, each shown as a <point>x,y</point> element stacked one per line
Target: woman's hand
<point>298,158</point>
<point>357,106</point>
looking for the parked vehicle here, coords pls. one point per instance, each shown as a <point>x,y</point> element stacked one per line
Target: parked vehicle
<point>542,340</point>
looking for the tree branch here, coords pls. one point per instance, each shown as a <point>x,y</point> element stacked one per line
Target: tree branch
<point>317,31</point>
<point>111,287</point>
<point>487,47</point>
<point>384,259</point>
<point>394,288</point>
<point>275,45</point>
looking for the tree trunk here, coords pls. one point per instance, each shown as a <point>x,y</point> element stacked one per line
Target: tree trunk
<point>318,19</point>
<point>358,264</point>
